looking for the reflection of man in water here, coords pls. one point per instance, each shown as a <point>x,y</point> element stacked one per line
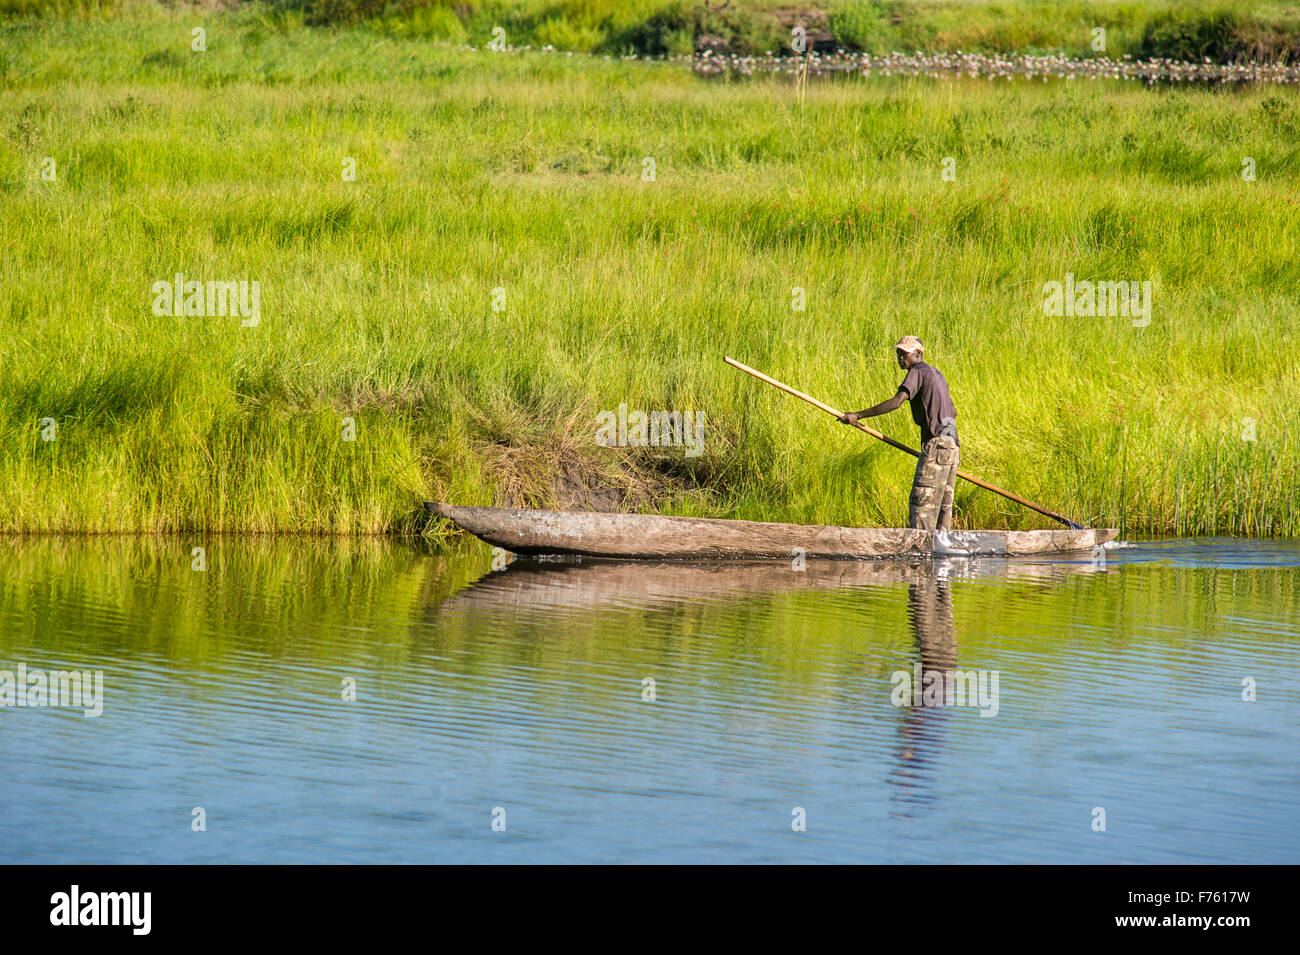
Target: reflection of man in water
<point>929,608</point>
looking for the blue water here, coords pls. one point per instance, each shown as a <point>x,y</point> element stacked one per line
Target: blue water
<point>1119,688</point>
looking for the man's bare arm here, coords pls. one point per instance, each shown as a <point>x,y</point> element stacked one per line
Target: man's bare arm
<point>893,404</point>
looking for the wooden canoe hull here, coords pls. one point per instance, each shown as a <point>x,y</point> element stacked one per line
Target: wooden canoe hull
<point>655,537</point>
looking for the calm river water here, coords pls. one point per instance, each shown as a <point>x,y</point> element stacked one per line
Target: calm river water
<point>647,713</point>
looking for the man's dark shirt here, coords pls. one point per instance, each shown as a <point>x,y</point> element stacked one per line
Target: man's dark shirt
<point>927,393</point>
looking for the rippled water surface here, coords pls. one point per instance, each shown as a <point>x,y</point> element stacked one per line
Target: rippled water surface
<point>520,695</point>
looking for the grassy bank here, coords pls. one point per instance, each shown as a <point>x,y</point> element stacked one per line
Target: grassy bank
<point>524,172</point>
<point>1265,30</point>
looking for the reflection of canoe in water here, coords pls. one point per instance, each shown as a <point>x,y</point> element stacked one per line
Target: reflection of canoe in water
<point>650,536</point>
<point>587,584</point>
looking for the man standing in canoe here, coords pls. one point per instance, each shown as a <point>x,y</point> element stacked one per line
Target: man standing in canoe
<point>930,507</point>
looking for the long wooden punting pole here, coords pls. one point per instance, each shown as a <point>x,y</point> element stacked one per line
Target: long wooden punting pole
<point>902,447</point>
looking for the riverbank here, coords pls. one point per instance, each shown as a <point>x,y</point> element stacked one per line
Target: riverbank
<point>530,240</point>
<point>1191,30</point>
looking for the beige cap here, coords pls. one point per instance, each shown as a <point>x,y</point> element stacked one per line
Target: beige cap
<point>910,343</point>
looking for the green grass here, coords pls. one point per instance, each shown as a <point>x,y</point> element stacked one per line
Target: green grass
<point>478,170</point>
<point>1182,29</point>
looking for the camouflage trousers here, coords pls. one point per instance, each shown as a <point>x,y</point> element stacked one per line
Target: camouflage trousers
<point>930,507</point>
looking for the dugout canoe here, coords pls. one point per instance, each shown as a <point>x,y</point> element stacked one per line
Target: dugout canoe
<point>654,537</point>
